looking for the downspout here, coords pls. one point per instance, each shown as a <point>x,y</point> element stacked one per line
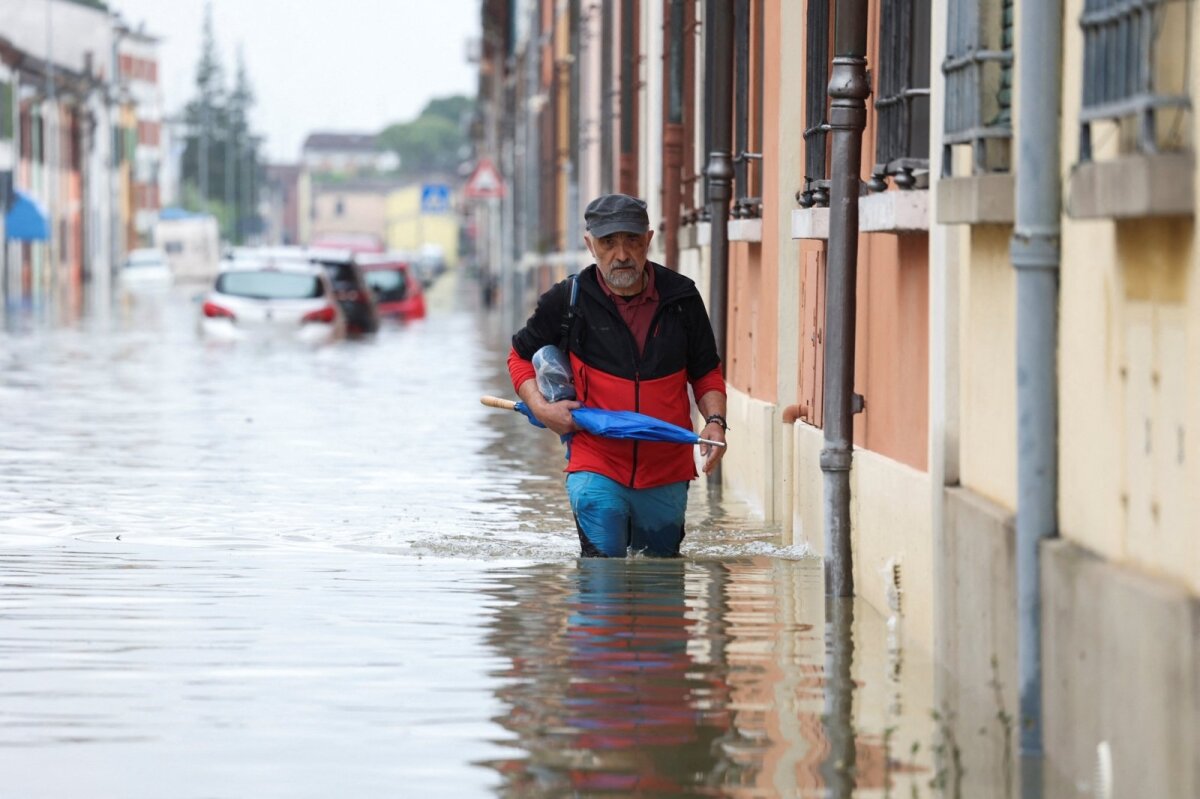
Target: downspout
<point>720,162</point>
<point>606,99</point>
<point>1035,256</point>
<point>574,212</point>
<point>848,92</point>
<point>673,134</point>
<point>629,90</point>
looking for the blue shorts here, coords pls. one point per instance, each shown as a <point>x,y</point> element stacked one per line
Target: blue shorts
<point>612,518</point>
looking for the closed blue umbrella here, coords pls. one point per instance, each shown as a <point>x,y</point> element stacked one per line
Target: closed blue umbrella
<point>614,424</point>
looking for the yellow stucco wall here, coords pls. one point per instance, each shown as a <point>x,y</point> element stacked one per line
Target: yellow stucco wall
<point>1129,366</point>
<point>987,358</point>
<point>408,229</point>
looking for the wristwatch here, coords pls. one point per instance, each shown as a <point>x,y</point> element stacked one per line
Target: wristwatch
<point>719,419</point>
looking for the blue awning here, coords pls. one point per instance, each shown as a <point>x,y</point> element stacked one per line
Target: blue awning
<point>25,220</point>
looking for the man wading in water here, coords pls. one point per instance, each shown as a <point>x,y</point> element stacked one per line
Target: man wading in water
<point>637,335</point>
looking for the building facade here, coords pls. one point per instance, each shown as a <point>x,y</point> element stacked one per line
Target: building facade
<point>951,287</point>
<point>57,152</point>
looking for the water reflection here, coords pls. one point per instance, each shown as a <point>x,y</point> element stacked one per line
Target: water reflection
<point>676,678</point>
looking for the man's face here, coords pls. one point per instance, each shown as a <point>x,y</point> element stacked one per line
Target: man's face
<point>621,259</point>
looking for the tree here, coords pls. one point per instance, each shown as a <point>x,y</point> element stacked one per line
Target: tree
<point>205,114</point>
<point>431,143</point>
<point>221,166</point>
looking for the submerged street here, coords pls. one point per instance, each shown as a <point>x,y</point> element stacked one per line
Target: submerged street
<point>273,571</point>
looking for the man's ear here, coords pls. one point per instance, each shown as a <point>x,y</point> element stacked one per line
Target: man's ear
<point>587,240</point>
<point>649,237</point>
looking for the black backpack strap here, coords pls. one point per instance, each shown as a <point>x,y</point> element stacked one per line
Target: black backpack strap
<point>564,331</point>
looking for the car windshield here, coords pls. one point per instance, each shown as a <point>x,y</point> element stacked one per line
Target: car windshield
<point>270,285</point>
<point>388,284</point>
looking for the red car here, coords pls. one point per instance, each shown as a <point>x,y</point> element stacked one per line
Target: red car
<point>398,293</point>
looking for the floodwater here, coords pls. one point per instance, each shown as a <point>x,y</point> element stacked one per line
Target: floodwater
<point>274,572</point>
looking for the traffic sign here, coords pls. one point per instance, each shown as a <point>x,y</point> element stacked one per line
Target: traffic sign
<point>485,182</point>
<point>435,198</point>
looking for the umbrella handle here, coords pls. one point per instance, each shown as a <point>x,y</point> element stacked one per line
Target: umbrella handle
<point>496,402</point>
<point>708,441</point>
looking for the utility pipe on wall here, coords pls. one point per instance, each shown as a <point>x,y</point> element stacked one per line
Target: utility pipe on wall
<point>673,132</point>
<point>848,92</point>
<point>1035,256</point>
<point>720,162</point>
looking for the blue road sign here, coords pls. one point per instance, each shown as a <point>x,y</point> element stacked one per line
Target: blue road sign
<point>435,198</point>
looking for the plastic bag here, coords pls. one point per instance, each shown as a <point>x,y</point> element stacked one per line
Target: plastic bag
<point>553,370</point>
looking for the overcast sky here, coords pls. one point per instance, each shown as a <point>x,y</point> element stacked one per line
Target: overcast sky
<point>348,65</point>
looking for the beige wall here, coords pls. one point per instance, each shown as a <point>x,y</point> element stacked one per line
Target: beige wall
<point>987,359</point>
<point>1129,397</point>
<point>891,521</point>
<point>363,211</point>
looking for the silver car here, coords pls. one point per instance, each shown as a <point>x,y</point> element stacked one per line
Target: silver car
<point>267,297</point>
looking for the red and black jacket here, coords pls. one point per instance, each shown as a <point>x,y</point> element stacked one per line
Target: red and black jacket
<point>609,373</point>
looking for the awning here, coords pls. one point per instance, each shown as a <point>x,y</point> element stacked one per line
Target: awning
<point>25,220</point>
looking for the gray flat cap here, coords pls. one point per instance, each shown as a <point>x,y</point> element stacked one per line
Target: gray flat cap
<point>616,213</point>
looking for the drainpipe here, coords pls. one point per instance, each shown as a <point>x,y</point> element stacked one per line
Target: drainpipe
<point>606,99</point>
<point>673,134</point>
<point>574,212</point>
<point>630,78</point>
<point>720,173</point>
<point>848,92</point>
<point>1035,256</point>
<point>720,163</point>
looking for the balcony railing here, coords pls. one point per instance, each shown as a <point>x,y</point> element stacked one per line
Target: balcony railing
<point>1123,66</point>
<point>816,181</point>
<point>978,70</point>
<point>902,110</point>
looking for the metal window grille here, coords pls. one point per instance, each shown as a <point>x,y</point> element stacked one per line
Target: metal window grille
<point>1121,39</point>
<point>978,70</point>
<point>748,35</point>
<point>902,110</point>
<point>816,179</point>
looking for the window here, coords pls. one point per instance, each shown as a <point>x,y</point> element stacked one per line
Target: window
<point>748,111</point>
<point>978,69</point>
<point>1135,55</point>
<point>816,100</point>
<point>902,98</point>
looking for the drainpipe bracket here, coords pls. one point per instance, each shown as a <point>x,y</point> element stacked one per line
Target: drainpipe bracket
<point>1033,248</point>
<point>836,460</point>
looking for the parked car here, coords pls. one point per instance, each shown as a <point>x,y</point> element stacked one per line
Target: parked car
<point>269,298</point>
<point>145,268</point>
<point>350,287</point>
<point>398,293</point>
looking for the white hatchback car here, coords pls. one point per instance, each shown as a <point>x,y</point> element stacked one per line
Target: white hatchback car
<point>145,268</point>
<point>271,298</point>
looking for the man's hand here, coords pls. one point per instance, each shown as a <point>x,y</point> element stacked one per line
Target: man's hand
<point>555,415</point>
<point>712,454</point>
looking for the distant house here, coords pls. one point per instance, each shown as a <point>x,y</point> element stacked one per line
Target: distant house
<point>345,154</point>
<point>140,121</point>
<point>287,195</point>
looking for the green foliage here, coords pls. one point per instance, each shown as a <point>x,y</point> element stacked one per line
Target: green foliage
<point>451,108</point>
<point>433,142</point>
<point>221,159</point>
